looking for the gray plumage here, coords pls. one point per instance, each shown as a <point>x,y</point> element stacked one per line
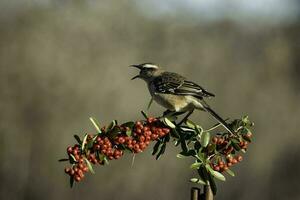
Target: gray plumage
<point>172,83</point>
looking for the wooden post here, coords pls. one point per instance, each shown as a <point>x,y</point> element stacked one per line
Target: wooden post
<point>208,192</point>
<point>195,193</point>
<point>207,195</point>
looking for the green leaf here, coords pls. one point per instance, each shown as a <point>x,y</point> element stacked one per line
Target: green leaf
<point>161,151</point>
<point>129,132</point>
<point>77,139</point>
<point>234,140</point>
<point>89,165</point>
<point>106,160</point>
<point>201,156</point>
<point>96,125</point>
<point>205,139</point>
<point>245,119</point>
<point>195,165</point>
<point>214,173</point>
<point>128,124</point>
<point>174,133</point>
<point>190,124</point>
<point>168,123</point>
<point>63,160</point>
<point>212,184</point>
<point>211,147</point>
<point>199,130</point>
<point>183,145</point>
<point>236,146</point>
<point>84,141</point>
<point>204,175</point>
<point>111,125</point>
<point>231,173</point>
<point>156,146</point>
<point>150,103</point>
<point>71,181</point>
<point>191,152</point>
<point>197,145</point>
<point>72,160</point>
<point>197,180</point>
<point>186,129</point>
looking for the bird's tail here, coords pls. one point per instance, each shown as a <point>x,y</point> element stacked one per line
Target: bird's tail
<point>217,117</point>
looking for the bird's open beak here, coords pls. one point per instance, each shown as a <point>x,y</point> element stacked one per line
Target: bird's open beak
<point>137,76</point>
<point>136,66</point>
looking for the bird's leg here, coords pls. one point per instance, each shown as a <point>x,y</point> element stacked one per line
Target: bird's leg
<point>186,117</point>
<point>167,112</point>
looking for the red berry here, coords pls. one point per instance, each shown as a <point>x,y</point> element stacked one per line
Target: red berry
<point>142,138</point>
<point>75,169</point>
<point>69,150</point>
<point>138,131</point>
<point>75,152</point>
<point>121,140</point>
<point>77,157</point>
<point>85,169</point>
<point>146,128</point>
<point>110,157</point>
<point>138,123</point>
<point>166,130</point>
<point>230,159</point>
<point>90,137</point>
<point>128,140</point>
<point>234,161</point>
<point>98,139</point>
<point>97,146</point>
<point>239,158</point>
<point>67,170</point>
<point>248,135</point>
<point>81,166</point>
<point>154,137</point>
<point>216,168</point>
<point>72,172</point>
<point>77,178</point>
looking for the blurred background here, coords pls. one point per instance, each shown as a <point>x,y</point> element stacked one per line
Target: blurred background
<point>62,61</point>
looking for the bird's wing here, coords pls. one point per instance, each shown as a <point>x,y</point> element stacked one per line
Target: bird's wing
<point>172,83</point>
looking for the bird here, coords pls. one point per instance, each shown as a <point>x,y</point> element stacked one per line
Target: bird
<point>175,92</point>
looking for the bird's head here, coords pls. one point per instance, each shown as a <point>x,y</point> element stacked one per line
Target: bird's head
<point>147,71</point>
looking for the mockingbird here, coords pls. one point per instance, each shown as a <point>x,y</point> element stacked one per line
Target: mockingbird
<point>175,92</point>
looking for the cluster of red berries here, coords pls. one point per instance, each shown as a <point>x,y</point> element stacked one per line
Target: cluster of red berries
<point>222,165</point>
<point>143,133</point>
<point>78,170</point>
<point>104,145</point>
<point>228,160</point>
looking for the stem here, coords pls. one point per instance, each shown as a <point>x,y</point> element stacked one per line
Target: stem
<point>215,126</point>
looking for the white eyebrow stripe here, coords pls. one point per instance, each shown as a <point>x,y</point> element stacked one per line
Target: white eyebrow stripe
<point>150,66</point>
